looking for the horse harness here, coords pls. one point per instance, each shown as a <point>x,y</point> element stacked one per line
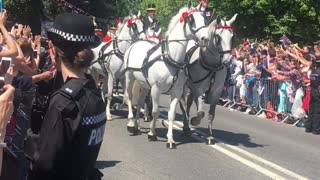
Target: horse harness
<point>165,57</point>
<point>211,69</point>
<point>105,58</point>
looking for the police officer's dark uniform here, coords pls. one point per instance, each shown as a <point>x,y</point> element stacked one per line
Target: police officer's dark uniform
<point>150,22</point>
<point>73,128</point>
<point>313,122</point>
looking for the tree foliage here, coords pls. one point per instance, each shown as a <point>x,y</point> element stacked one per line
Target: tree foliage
<point>262,19</point>
<point>270,19</point>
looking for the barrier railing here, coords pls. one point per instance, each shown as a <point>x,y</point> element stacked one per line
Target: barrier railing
<point>274,98</point>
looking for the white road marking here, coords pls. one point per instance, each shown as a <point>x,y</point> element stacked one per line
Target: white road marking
<point>252,156</point>
<point>234,156</point>
<point>178,125</point>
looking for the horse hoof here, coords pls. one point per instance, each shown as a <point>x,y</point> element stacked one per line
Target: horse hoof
<point>187,132</point>
<point>131,129</point>
<point>200,115</point>
<point>171,146</point>
<point>210,141</point>
<point>134,131</point>
<point>116,106</point>
<point>195,121</point>
<point>152,138</point>
<point>109,117</point>
<point>147,119</point>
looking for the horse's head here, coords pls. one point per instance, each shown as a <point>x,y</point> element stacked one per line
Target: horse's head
<point>194,24</point>
<point>154,35</point>
<point>135,26</point>
<point>222,38</point>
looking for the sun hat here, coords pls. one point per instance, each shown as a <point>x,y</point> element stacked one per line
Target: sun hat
<point>75,28</point>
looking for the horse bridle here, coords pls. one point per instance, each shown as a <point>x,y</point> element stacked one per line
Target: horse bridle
<point>101,59</point>
<point>220,51</point>
<point>132,24</point>
<point>230,28</point>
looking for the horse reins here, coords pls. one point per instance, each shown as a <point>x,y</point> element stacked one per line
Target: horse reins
<point>166,55</point>
<point>116,50</point>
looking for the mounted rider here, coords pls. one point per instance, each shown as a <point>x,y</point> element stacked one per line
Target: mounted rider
<point>204,8</point>
<point>151,18</point>
<point>149,21</point>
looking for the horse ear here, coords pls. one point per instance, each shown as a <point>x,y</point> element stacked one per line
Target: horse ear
<point>213,25</point>
<point>218,20</point>
<point>189,4</point>
<point>232,20</point>
<point>199,7</point>
<point>213,16</point>
<point>139,13</point>
<point>158,33</point>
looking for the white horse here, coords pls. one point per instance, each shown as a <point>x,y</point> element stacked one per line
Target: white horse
<point>207,71</point>
<point>162,68</point>
<point>109,56</point>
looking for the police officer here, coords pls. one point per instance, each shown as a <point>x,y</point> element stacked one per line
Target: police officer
<point>313,122</point>
<point>72,130</point>
<point>150,21</point>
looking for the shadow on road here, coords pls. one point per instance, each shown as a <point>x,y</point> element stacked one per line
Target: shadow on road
<point>231,138</point>
<point>106,164</point>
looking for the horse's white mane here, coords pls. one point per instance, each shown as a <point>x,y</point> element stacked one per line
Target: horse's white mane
<point>175,20</point>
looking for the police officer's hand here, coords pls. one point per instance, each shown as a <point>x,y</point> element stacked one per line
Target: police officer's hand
<point>6,105</point>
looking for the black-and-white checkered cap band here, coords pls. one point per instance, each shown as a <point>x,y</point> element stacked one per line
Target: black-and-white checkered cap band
<point>73,37</point>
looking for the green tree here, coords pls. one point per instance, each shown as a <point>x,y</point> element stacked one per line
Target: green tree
<point>269,19</point>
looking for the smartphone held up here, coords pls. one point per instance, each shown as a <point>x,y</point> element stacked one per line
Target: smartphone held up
<point>4,65</point>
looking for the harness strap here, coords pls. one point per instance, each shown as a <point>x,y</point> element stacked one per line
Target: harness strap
<point>166,59</point>
<point>208,67</point>
<point>116,49</point>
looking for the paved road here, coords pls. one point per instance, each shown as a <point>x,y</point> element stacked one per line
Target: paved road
<point>247,148</point>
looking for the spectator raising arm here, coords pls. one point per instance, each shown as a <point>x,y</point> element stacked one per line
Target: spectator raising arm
<point>6,105</point>
<point>12,49</point>
<point>300,59</point>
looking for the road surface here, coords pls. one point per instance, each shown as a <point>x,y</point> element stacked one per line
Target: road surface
<point>247,148</point>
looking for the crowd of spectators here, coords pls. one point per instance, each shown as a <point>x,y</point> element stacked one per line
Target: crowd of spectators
<point>27,56</point>
<point>271,77</point>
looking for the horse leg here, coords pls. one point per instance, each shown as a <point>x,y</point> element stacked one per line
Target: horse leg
<point>117,87</point>
<point>118,106</point>
<point>200,112</point>
<point>155,94</point>
<point>211,116</point>
<point>132,125</point>
<point>185,111</point>
<point>171,117</point>
<point>142,96</point>
<point>186,128</point>
<point>109,97</point>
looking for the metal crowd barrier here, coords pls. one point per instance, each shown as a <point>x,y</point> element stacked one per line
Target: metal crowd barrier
<point>267,92</point>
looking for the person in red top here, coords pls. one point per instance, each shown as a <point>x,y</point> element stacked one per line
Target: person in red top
<point>110,34</point>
